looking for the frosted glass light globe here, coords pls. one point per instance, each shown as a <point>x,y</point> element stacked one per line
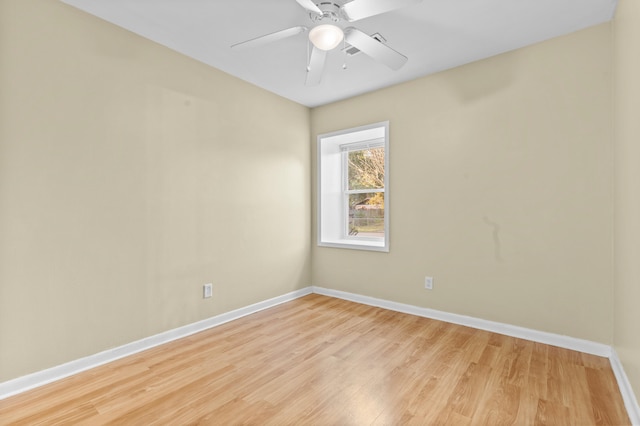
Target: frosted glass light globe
<point>326,36</point>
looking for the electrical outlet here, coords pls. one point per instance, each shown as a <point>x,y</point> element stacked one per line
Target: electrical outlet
<point>428,283</point>
<point>207,291</point>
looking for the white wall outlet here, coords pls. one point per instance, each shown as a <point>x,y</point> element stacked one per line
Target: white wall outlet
<point>428,283</point>
<point>207,291</point>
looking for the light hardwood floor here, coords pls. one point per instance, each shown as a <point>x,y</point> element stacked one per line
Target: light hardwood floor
<point>324,361</point>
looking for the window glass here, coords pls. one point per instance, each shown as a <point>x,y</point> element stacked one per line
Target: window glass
<point>366,214</point>
<point>366,168</point>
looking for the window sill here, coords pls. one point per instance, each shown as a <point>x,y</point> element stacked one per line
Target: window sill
<point>356,245</point>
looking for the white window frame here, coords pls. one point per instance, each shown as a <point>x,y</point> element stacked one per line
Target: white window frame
<point>332,198</point>
<point>345,150</point>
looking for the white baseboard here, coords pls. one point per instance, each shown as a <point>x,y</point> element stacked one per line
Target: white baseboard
<point>558,340</point>
<point>629,397</point>
<point>39,378</point>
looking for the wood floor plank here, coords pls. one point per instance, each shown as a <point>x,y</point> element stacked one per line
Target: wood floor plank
<point>580,408</point>
<point>470,388</point>
<point>501,400</point>
<point>604,393</point>
<point>324,361</point>
<point>552,413</point>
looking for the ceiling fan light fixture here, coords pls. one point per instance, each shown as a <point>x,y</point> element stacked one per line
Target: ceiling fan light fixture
<point>326,36</point>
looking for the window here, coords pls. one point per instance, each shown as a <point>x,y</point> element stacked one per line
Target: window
<point>353,182</point>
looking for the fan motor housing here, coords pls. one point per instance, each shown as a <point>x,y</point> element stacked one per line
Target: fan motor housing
<point>330,11</point>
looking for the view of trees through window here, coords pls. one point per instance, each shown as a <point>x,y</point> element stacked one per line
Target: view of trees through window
<point>366,192</point>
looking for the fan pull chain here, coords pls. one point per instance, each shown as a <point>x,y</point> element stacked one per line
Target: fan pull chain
<point>344,49</point>
<point>308,57</point>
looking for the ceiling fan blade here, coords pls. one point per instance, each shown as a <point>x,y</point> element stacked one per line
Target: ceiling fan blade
<point>269,38</point>
<point>316,67</point>
<point>310,6</point>
<point>375,49</point>
<point>360,9</point>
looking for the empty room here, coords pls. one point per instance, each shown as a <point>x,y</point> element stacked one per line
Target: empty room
<point>365,212</point>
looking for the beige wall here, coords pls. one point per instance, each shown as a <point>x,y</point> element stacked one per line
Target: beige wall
<point>128,179</point>
<point>501,189</point>
<point>130,176</point>
<point>627,195</point>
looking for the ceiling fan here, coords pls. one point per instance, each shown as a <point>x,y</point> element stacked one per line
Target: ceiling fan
<point>326,35</point>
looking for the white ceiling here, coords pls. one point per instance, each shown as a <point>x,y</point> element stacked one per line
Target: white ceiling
<point>435,35</point>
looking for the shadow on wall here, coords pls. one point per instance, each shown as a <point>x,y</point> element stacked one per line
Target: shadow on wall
<point>471,83</point>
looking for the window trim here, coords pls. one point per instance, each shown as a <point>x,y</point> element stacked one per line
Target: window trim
<point>328,145</point>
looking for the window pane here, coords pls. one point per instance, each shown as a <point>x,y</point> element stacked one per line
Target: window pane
<point>366,214</point>
<point>366,169</point>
